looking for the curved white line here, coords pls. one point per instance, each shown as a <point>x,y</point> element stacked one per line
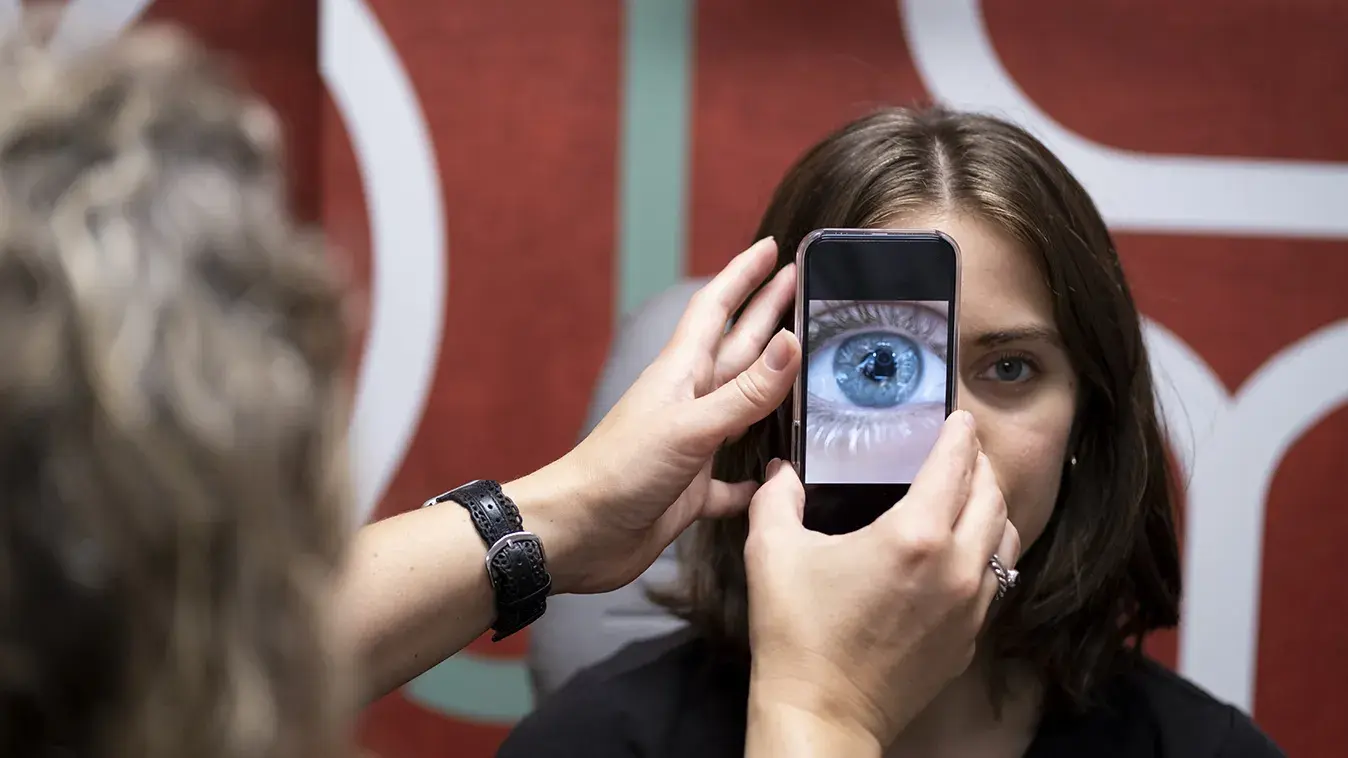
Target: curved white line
<point>955,57</point>
<point>1190,395</point>
<point>398,167</point>
<point>1223,562</point>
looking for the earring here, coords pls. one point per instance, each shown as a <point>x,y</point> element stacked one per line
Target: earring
<point>1074,461</point>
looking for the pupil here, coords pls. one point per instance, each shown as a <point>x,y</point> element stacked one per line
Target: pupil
<point>881,364</point>
<point>877,369</point>
<point>1008,370</point>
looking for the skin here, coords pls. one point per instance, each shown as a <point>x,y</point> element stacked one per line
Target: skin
<point>914,584</point>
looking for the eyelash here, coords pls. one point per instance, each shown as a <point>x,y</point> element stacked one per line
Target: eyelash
<point>917,322</point>
<point>1014,355</point>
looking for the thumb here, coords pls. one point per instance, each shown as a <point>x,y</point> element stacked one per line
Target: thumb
<point>754,393</point>
<point>780,501</point>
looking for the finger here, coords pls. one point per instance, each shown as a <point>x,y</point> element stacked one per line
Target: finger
<point>704,321</point>
<point>1009,547</point>
<point>754,393</point>
<point>1008,551</point>
<point>725,499</point>
<point>982,523</point>
<point>756,325</point>
<point>942,484</point>
<point>780,502</point>
<point>722,500</point>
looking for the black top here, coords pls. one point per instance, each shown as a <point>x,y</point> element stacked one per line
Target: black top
<point>673,697</point>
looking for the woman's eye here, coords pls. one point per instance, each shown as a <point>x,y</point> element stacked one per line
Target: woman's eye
<point>876,369</point>
<point>1009,371</point>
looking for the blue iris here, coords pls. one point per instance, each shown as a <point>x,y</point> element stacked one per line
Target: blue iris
<point>877,369</point>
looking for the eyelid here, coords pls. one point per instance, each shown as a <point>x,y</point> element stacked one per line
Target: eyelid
<point>842,316</point>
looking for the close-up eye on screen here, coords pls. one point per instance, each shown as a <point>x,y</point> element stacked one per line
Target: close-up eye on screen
<point>876,388</point>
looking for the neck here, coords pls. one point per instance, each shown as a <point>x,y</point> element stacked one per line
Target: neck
<point>963,719</point>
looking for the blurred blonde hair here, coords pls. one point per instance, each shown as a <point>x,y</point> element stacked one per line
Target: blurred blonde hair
<point>172,414</point>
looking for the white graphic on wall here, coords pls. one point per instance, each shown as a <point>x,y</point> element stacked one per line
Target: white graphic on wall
<point>1229,446</point>
<point>1238,443</point>
<point>1138,191</point>
<point>398,169</point>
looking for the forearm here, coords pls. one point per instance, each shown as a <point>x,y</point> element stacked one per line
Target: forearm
<point>416,589</point>
<point>779,728</point>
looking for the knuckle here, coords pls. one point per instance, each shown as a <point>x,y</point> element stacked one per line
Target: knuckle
<point>924,544</point>
<point>751,386</point>
<point>757,548</point>
<point>700,298</point>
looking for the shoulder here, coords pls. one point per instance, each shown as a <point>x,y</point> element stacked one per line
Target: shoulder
<point>630,704</point>
<point>1188,720</point>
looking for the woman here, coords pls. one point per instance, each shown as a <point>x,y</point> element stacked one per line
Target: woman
<point>1054,369</point>
<point>176,576</point>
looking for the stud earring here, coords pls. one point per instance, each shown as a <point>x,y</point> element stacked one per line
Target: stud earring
<point>1074,460</point>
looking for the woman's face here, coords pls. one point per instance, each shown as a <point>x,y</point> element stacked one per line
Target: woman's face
<point>1014,377</point>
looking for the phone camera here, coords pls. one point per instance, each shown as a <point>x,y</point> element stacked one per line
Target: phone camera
<point>880,364</point>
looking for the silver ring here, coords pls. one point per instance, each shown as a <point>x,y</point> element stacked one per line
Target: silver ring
<point>1007,579</point>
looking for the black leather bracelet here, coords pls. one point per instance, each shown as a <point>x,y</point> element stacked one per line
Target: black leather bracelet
<point>516,563</point>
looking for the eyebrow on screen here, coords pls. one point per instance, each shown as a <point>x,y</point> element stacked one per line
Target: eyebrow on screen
<point>1029,333</point>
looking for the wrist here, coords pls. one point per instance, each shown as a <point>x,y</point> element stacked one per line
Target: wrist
<point>786,721</point>
<point>548,501</point>
<point>821,692</point>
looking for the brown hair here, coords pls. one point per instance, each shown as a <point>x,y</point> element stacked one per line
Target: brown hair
<point>1106,571</point>
<point>171,418</point>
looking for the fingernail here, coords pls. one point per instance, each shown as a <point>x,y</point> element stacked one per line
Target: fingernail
<point>968,419</point>
<point>773,465</point>
<point>778,354</point>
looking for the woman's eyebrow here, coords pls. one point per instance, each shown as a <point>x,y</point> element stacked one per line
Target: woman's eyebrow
<point>1022,333</point>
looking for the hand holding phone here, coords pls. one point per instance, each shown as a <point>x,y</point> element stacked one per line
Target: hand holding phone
<point>869,627</point>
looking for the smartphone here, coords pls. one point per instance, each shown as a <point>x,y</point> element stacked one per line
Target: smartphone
<point>877,314</point>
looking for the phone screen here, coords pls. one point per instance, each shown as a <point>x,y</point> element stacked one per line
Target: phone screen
<point>877,322</point>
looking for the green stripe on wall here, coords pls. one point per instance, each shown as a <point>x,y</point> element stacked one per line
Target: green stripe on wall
<point>475,688</point>
<point>653,156</point>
